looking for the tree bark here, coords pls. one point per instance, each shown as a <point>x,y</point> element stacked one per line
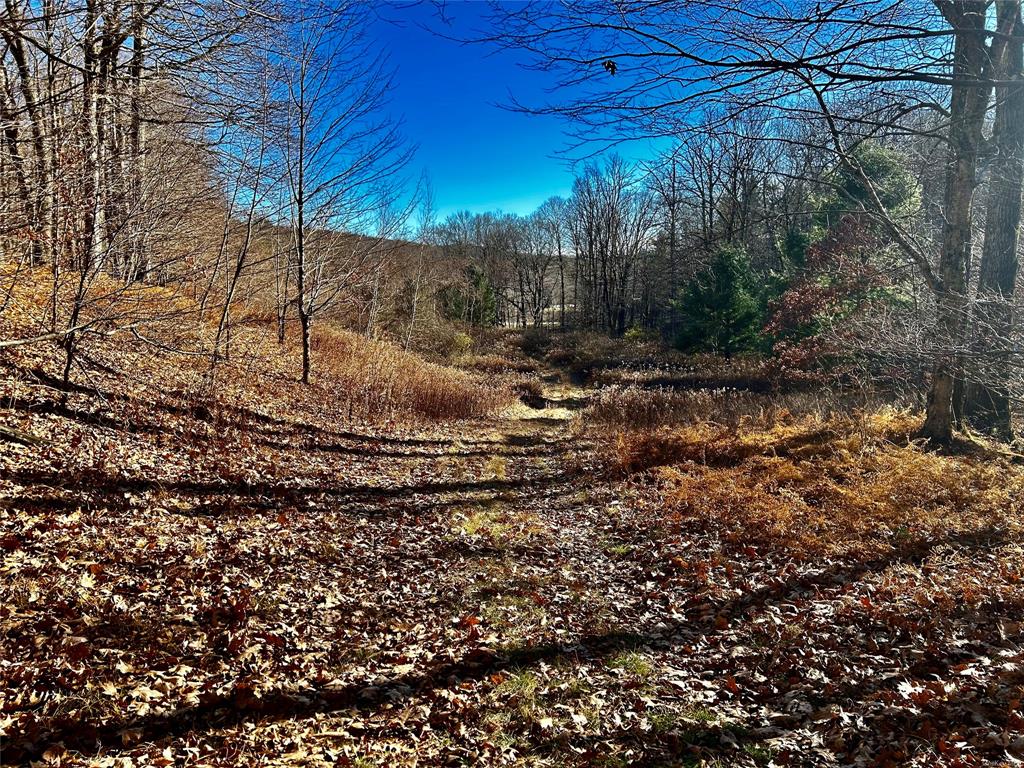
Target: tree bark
<point>968,104</point>
<point>987,405</point>
<point>42,209</point>
<point>138,252</point>
<point>92,246</point>
<point>304,321</point>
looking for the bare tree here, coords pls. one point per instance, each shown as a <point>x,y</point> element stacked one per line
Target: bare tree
<point>613,218</point>
<point>866,68</point>
<point>552,222</point>
<point>341,156</point>
<point>422,255</point>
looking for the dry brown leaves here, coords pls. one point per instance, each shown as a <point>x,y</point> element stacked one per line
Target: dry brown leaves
<point>261,579</point>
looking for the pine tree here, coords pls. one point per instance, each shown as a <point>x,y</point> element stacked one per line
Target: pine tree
<point>720,311</point>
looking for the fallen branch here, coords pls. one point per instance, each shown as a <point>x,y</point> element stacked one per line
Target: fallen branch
<point>18,436</point>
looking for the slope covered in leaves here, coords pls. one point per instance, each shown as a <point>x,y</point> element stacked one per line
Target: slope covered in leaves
<point>263,580</point>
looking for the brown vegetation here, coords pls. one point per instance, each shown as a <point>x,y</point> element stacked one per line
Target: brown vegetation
<point>159,356</point>
<point>825,487</point>
<point>380,380</point>
<point>256,575</point>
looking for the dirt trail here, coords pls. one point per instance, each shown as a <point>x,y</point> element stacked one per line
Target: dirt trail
<point>552,423</point>
<point>361,576</point>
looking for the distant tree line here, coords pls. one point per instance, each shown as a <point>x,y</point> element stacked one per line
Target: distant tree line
<point>709,246</point>
<point>771,100</point>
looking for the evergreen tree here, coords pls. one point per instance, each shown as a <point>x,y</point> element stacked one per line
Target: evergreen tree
<point>473,301</point>
<point>720,311</point>
<point>897,189</point>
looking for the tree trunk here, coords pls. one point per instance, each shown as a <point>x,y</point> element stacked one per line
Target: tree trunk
<point>92,247</point>
<point>304,322</point>
<point>561,290</point>
<point>138,252</point>
<point>42,209</point>
<point>987,405</point>
<point>968,104</point>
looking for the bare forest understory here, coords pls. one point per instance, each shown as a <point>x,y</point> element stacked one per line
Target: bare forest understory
<point>263,580</point>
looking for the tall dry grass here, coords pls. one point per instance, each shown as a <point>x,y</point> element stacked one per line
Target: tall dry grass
<point>155,346</point>
<point>380,380</point>
<point>644,408</point>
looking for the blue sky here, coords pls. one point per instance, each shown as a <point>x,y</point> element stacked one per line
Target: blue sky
<point>478,155</point>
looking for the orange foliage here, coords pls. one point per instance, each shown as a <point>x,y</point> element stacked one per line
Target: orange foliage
<point>838,487</point>
<point>162,342</point>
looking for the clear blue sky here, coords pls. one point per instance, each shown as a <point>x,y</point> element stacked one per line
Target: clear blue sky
<point>478,155</point>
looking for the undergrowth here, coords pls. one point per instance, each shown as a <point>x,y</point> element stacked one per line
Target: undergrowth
<point>381,380</point>
<point>847,486</point>
<point>639,408</point>
<point>162,352</point>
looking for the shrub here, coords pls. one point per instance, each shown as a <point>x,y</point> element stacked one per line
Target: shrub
<point>535,342</point>
<point>443,341</point>
<point>461,344</point>
<point>495,364</point>
<point>639,334</point>
<point>746,372</point>
<point>640,408</point>
<point>582,353</point>
<point>835,285</point>
<point>530,392</point>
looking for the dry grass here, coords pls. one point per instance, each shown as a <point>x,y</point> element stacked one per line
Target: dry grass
<point>584,353</point>
<point>380,380</point>
<point>638,407</point>
<point>652,367</point>
<point>854,486</point>
<point>497,364</point>
<point>168,360</point>
<point>603,360</point>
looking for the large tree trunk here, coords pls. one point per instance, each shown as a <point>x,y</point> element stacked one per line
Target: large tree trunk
<point>138,251</point>
<point>968,104</point>
<point>987,405</point>
<point>42,208</point>
<point>92,232</point>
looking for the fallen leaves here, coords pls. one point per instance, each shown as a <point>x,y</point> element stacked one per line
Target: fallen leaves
<point>279,588</point>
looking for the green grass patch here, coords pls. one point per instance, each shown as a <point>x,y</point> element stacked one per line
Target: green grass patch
<point>636,664</point>
<point>619,550</point>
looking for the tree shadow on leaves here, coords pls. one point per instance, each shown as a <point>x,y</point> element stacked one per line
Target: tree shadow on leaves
<point>241,704</point>
<point>212,495</point>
